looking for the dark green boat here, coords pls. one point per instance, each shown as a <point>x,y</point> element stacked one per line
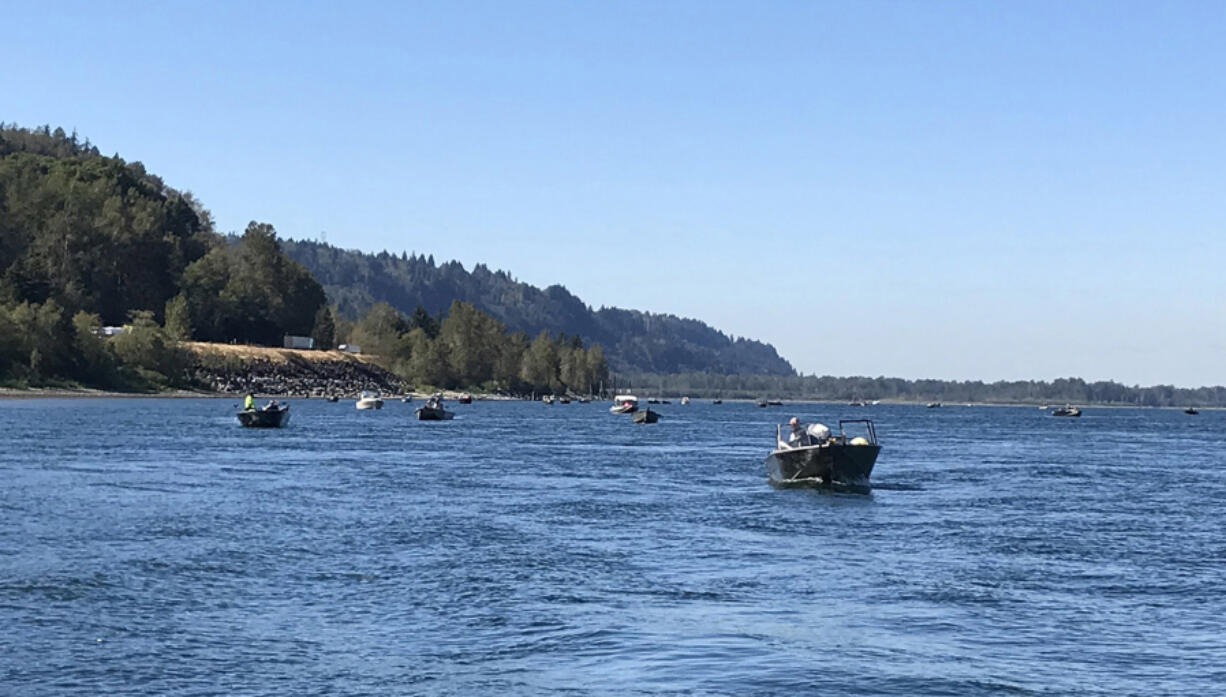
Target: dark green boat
<point>433,410</point>
<point>268,417</point>
<point>810,455</point>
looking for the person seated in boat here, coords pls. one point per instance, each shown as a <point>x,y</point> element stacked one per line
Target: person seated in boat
<point>249,402</point>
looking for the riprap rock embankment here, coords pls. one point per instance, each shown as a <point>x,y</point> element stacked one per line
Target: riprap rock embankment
<point>291,372</point>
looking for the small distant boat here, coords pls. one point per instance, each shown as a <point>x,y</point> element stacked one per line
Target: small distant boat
<point>1191,410</point>
<point>645,416</point>
<point>855,404</point>
<point>464,398</point>
<point>332,398</point>
<point>717,401</point>
<point>1044,408</point>
<point>761,403</point>
<point>685,400</point>
<point>548,399</point>
<point>624,404</point>
<point>809,454</point>
<point>433,410</point>
<point>585,400</point>
<point>369,400</point>
<point>271,416</point>
<point>933,405</point>
<point>406,399</point>
<point>1067,410</point>
<point>774,402</point>
<point>652,400</point>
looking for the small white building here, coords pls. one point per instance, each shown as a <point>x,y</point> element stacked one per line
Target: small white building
<point>350,348</point>
<point>298,342</point>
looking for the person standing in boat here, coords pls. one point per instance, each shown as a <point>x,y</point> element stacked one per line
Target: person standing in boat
<point>249,402</point>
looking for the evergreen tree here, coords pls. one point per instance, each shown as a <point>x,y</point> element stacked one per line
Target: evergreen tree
<point>421,319</point>
<point>324,331</point>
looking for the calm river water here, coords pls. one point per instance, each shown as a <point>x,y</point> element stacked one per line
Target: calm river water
<point>153,547</point>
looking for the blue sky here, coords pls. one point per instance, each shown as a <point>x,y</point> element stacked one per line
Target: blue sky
<point>966,190</point>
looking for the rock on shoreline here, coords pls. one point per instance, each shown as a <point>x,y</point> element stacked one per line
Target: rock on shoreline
<point>295,376</point>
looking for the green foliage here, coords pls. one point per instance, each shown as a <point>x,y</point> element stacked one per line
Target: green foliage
<point>344,329</point>
<point>474,350</point>
<point>421,319</point>
<point>98,363</point>
<point>379,331</point>
<point>83,233</point>
<point>178,319</point>
<point>324,329</point>
<point>93,233</point>
<point>470,339</point>
<point>145,347</point>
<point>633,340</point>
<point>251,292</point>
<point>43,337</point>
<point>539,368</point>
<point>427,365</point>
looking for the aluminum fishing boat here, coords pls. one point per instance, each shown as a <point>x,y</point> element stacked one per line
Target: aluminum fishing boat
<point>809,454</point>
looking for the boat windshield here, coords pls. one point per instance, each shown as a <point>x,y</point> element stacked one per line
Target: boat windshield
<point>804,434</point>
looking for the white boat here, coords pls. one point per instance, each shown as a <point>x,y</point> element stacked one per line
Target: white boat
<point>369,400</point>
<point>624,404</point>
<point>685,400</point>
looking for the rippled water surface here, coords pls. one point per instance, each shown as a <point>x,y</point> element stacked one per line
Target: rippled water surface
<point>153,547</point>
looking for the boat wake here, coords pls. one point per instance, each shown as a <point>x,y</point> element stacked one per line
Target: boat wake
<point>896,486</point>
<point>817,483</point>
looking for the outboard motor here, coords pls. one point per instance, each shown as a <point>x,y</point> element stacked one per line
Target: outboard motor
<point>820,433</point>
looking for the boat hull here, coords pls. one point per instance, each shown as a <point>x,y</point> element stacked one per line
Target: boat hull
<point>264,418</point>
<point>646,416</point>
<point>433,414</point>
<point>623,409</point>
<point>365,404</point>
<point>822,464</point>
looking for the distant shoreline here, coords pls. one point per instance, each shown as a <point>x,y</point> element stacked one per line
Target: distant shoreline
<point>87,393</point>
<point>7,393</point>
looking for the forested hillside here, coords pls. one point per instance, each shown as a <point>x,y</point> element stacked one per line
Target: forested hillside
<point>632,340</point>
<point>88,240</point>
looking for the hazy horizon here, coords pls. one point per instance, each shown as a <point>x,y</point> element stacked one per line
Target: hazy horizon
<point>940,190</point>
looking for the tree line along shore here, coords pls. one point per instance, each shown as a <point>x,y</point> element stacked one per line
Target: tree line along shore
<point>90,242</point>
